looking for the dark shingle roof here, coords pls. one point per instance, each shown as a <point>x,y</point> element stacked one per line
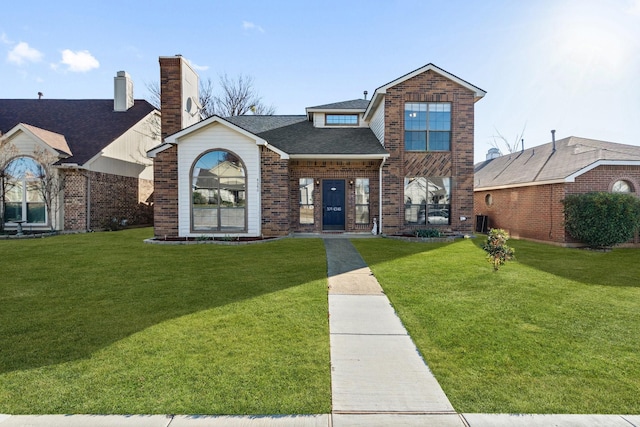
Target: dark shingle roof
<point>296,135</point>
<point>87,125</point>
<point>542,164</point>
<point>353,104</point>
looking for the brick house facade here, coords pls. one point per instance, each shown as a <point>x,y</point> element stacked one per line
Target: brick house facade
<point>341,167</point>
<point>523,192</point>
<point>96,149</point>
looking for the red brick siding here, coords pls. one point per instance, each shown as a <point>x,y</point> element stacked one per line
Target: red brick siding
<point>75,200</point>
<point>274,193</point>
<point>533,212</point>
<point>165,165</point>
<point>536,212</point>
<point>457,164</point>
<point>110,196</point>
<point>348,170</point>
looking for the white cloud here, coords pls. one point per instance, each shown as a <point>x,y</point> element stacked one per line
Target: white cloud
<point>4,39</point>
<point>246,25</point>
<point>22,53</point>
<point>80,61</point>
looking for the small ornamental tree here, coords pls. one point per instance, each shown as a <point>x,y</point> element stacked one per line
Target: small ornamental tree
<point>496,247</point>
<point>602,220</point>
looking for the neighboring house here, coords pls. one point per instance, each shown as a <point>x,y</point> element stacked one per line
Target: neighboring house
<point>523,192</point>
<point>400,161</point>
<point>95,155</point>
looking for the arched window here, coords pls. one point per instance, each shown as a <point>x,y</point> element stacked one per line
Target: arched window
<point>22,189</point>
<point>622,186</point>
<point>218,193</point>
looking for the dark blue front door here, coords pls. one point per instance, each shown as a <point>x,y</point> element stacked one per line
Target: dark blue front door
<point>333,204</point>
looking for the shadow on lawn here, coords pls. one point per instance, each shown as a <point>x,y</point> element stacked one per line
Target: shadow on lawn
<point>95,289</point>
<point>618,267</point>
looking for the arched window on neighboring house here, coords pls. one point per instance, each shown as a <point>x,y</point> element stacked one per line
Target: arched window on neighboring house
<point>622,186</point>
<point>218,193</point>
<point>22,189</point>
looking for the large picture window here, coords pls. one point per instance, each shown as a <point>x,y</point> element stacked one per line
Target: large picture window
<point>427,201</point>
<point>218,191</point>
<point>23,196</point>
<point>427,126</point>
<point>306,200</point>
<point>362,200</point>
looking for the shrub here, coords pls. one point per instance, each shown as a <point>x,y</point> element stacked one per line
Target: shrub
<point>428,233</point>
<point>602,220</point>
<point>496,247</point>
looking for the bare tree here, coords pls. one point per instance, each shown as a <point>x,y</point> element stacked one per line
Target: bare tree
<point>50,182</point>
<point>8,151</point>
<point>500,141</point>
<point>237,97</point>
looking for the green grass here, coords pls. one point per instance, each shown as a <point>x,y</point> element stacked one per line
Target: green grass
<point>556,331</point>
<point>105,324</point>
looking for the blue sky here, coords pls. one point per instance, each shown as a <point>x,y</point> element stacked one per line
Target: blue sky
<point>573,66</point>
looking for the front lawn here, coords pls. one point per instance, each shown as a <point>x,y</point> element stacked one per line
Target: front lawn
<point>103,323</point>
<point>556,331</point>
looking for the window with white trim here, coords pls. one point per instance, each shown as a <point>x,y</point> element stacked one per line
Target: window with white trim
<point>427,126</point>
<point>427,200</point>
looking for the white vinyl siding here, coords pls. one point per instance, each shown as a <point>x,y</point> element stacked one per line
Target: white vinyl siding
<point>377,123</point>
<point>218,137</point>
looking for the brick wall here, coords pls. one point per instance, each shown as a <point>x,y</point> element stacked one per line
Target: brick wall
<point>274,192</point>
<point>533,212</point>
<point>457,164</point>
<point>319,170</point>
<point>110,196</point>
<point>165,165</point>
<point>75,200</point>
<point>536,212</point>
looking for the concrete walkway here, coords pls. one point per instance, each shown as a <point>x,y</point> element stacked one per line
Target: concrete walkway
<point>378,376</point>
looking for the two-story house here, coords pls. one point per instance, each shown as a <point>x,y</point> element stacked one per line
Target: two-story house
<point>399,161</point>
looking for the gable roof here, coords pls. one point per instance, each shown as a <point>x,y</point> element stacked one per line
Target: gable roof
<point>573,156</point>
<point>88,126</point>
<point>52,139</point>
<point>379,93</point>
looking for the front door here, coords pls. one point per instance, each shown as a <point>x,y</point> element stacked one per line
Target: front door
<point>333,204</point>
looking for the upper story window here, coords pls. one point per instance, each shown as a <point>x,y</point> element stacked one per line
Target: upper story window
<point>341,119</point>
<point>427,126</point>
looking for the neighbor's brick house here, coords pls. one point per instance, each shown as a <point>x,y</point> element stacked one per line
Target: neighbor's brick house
<point>402,160</point>
<point>523,192</point>
<point>97,148</point>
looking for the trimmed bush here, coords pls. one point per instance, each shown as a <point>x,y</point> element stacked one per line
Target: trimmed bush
<point>496,247</point>
<point>602,220</point>
<point>428,233</point>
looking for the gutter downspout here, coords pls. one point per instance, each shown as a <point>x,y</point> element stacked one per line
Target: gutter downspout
<point>384,159</point>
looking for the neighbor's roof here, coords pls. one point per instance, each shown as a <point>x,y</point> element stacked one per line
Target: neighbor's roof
<point>572,157</point>
<point>297,136</point>
<point>88,126</point>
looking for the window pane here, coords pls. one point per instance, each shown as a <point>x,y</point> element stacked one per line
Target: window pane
<point>12,212</point>
<point>439,117</point>
<point>36,213</point>
<point>218,193</point>
<point>306,186</point>
<point>439,141</point>
<point>341,119</point>
<point>362,214</point>
<point>415,195</point>
<point>362,191</point>
<point>621,187</point>
<point>415,141</point>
